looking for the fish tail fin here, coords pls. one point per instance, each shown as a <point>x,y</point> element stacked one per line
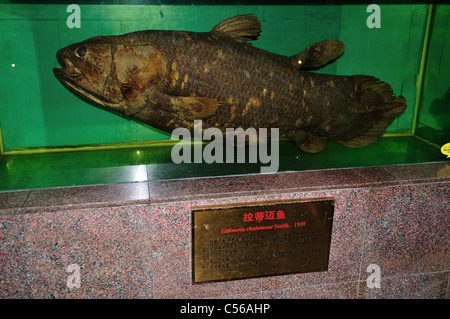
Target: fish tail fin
<point>378,106</point>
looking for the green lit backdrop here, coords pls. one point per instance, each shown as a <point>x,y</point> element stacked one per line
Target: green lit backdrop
<point>37,111</point>
<point>433,121</point>
<point>41,122</point>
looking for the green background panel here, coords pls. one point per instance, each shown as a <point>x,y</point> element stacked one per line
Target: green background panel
<point>434,116</point>
<point>37,111</point>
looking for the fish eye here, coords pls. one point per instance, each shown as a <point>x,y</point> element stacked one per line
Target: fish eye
<point>81,51</point>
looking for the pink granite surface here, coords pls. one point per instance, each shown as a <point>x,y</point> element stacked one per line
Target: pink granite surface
<point>111,245</point>
<point>134,240</point>
<point>172,242</point>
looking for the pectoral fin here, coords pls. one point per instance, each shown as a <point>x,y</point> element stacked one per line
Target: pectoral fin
<point>187,107</point>
<point>194,107</point>
<point>308,142</point>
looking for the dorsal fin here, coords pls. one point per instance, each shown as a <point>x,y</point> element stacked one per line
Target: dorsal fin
<point>318,54</point>
<point>241,28</point>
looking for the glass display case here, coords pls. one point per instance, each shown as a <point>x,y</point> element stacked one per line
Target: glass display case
<point>98,199</point>
<point>49,137</point>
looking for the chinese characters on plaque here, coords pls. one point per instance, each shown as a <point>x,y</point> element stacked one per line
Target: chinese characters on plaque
<point>261,239</point>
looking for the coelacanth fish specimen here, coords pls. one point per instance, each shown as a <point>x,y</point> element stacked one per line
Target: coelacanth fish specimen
<point>169,78</point>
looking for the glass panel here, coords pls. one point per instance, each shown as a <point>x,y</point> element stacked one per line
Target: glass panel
<point>434,116</point>
<point>36,111</point>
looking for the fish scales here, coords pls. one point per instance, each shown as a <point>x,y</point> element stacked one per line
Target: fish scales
<point>169,78</point>
<point>238,75</point>
<point>242,76</point>
<point>227,71</point>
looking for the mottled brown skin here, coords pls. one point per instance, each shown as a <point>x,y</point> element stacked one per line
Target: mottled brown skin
<point>169,78</point>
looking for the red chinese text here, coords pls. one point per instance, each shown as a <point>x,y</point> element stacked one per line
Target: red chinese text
<point>264,215</point>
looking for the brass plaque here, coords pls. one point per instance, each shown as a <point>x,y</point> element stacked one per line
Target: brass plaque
<point>260,239</point>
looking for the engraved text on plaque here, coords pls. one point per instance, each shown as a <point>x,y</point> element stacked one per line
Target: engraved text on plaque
<point>261,239</point>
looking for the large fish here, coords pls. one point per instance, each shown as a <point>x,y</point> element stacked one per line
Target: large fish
<point>167,79</point>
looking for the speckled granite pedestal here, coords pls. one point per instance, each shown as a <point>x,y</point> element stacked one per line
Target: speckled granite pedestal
<point>134,240</point>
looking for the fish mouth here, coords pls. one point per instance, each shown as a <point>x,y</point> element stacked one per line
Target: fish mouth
<point>68,71</point>
<point>69,75</point>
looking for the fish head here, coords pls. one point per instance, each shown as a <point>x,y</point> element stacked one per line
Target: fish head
<point>110,72</point>
<point>86,70</point>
